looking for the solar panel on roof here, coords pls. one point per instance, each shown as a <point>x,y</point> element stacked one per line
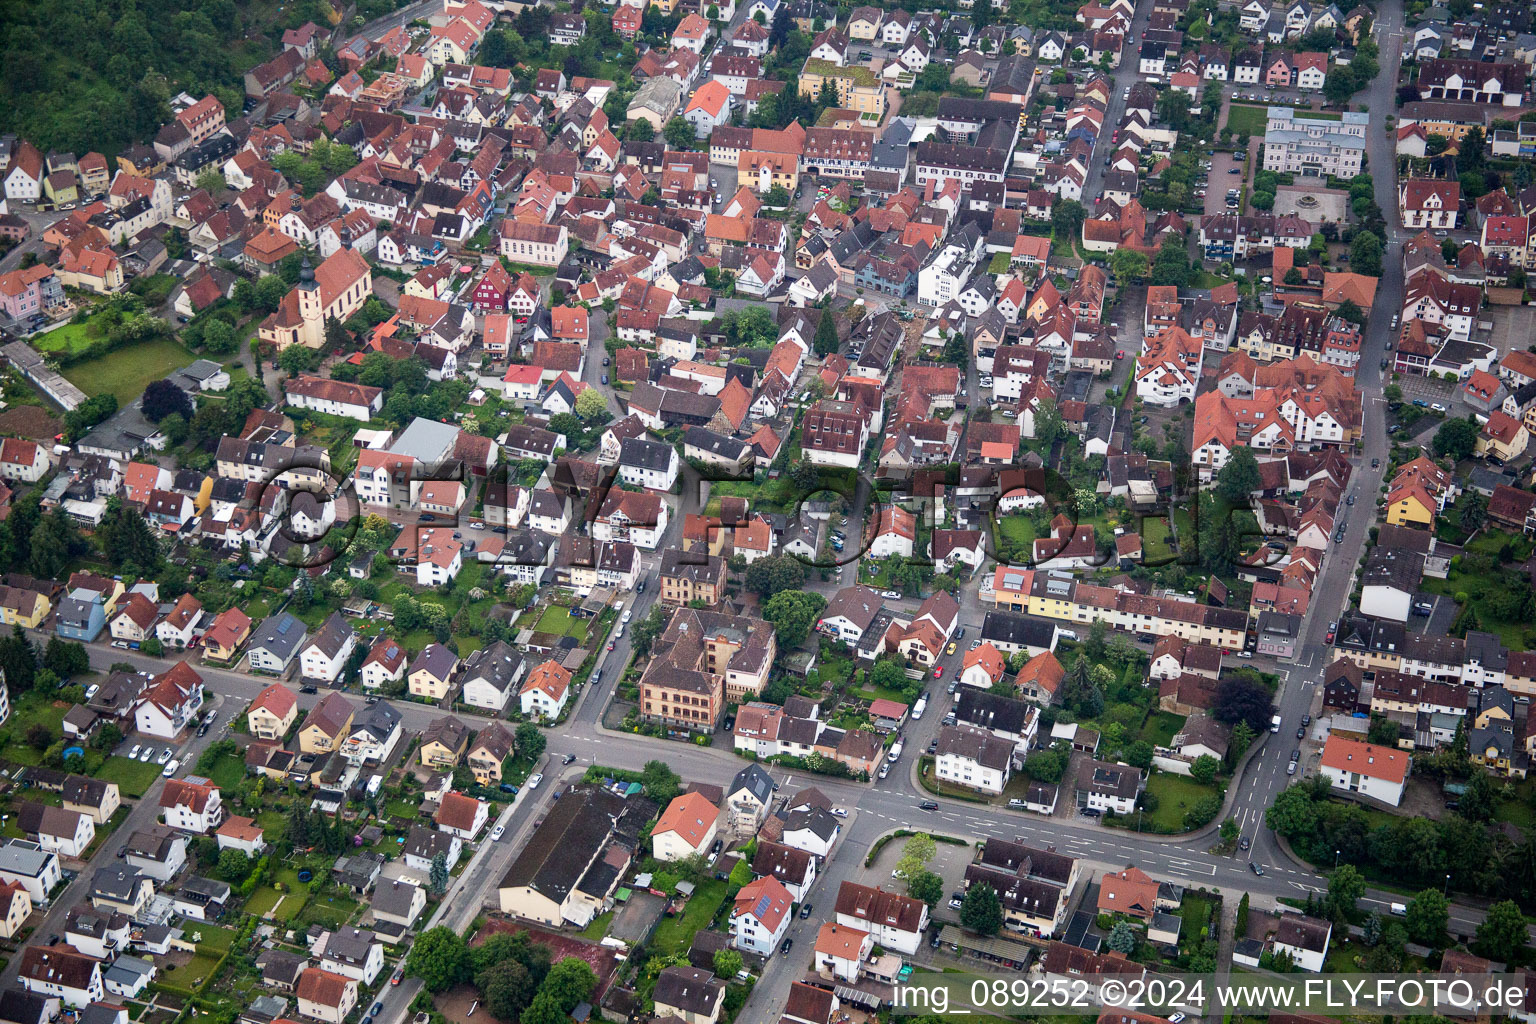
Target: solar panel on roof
<point>763,902</point>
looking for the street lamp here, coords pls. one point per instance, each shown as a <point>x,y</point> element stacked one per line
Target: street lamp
<point>1447,890</point>
<point>1336,854</point>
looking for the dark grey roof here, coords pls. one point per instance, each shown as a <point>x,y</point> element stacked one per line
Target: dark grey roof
<point>497,665</point>
<point>755,780</point>
<point>689,989</point>
<point>115,883</point>
<point>395,898</point>
<point>643,454</point>
<point>993,712</point>
<point>1017,630</point>
<point>282,635</point>
<point>436,659</point>
<point>969,744</point>
<point>820,822</point>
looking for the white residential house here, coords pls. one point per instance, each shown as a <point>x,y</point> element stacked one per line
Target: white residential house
<point>73,978</point>
<point>353,952</point>
<point>66,833</point>
<point>895,922</point>
<point>974,759</point>
<point>649,464</point>
<point>491,676</point>
<point>324,657</point>
<point>545,691</point>
<point>761,916</point>
<point>1304,939</point>
<point>191,805</point>
<point>1352,766</point>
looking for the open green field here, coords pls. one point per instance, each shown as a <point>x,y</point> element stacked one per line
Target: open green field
<point>128,371</point>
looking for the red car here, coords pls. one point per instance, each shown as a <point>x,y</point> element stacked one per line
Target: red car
<point>938,671</point>
<point>610,647</point>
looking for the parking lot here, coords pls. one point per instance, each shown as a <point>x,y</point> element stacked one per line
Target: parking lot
<point>1221,179</point>
<point>1430,390</point>
<point>949,862</point>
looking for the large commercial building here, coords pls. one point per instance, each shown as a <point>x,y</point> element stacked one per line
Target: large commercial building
<point>1295,143</point>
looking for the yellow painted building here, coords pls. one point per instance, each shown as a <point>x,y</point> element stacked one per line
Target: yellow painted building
<point>857,87</point>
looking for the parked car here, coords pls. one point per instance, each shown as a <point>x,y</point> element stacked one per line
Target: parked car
<point>497,833</point>
<point>170,769</point>
<point>534,780</point>
<point>805,911</point>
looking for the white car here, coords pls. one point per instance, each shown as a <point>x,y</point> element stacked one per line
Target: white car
<point>629,613</point>
<point>534,780</point>
<point>170,769</point>
<point>497,832</point>
<point>165,755</point>
<point>148,755</point>
<point>92,690</point>
<point>133,755</point>
<point>1437,407</point>
<point>121,645</point>
<point>840,812</point>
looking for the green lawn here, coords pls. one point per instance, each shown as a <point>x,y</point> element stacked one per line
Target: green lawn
<point>212,938</point>
<point>69,338</point>
<point>330,911</point>
<point>227,771</point>
<point>1196,912</point>
<point>1176,794</point>
<point>674,934</point>
<point>595,931</point>
<point>1156,541</point>
<point>1161,727</point>
<point>30,711</point>
<point>193,976</point>
<point>132,777</point>
<point>263,901</point>
<point>1244,119</point>
<point>128,371</point>
<point>557,619</point>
